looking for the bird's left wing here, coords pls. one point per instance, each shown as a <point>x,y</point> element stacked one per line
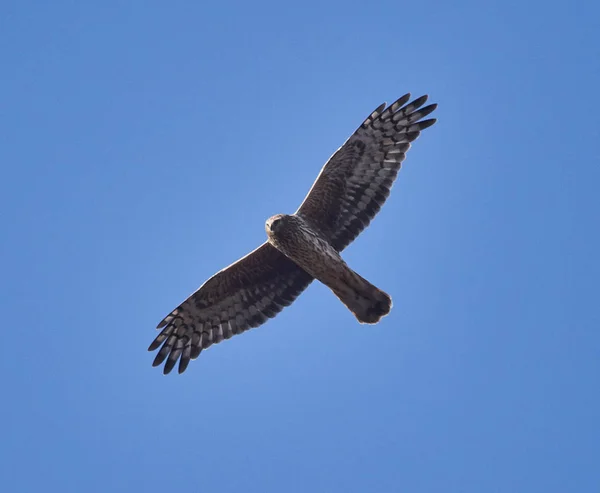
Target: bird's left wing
<point>241,296</point>
<point>356,181</point>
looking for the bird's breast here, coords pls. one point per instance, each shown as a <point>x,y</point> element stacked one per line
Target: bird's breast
<point>308,249</point>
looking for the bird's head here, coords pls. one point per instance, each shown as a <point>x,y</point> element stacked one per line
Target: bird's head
<point>274,224</point>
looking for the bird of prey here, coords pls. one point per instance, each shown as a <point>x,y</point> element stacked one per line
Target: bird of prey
<point>306,245</point>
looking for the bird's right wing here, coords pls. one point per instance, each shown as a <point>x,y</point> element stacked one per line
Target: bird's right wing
<point>356,181</point>
<point>241,296</point>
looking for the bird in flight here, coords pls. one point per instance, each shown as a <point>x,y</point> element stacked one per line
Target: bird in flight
<point>306,245</point>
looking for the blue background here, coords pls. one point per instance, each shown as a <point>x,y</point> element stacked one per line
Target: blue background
<point>143,145</point>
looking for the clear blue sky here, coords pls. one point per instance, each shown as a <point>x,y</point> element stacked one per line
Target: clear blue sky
<point>143,145</point>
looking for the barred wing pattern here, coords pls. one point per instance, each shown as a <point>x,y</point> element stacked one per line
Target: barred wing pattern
<point>356,181</point>
<point>242,296</point>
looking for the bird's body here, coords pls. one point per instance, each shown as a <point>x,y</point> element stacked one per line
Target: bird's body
<point>297,240</point>
<point>306,245</point>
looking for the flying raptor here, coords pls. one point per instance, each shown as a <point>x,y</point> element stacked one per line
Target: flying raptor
<point>306,245</point>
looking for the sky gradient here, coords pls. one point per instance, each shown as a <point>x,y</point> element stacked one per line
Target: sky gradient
<point>143,145</point>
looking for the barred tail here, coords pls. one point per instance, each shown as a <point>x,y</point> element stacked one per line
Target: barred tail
<point>367,302</point>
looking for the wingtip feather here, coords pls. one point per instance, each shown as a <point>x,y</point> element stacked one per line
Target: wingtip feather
<point>155,345</point>
<point>420,100</point>
<point>183,364</point>
<point>427,123</point>
<point>402,100</point>
<point>169,365</point>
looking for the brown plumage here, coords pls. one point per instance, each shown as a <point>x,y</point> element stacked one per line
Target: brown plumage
<point>348,193</point>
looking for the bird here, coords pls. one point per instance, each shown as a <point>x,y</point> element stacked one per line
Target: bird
<point>301,247</point>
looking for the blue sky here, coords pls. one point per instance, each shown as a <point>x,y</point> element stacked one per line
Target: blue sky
<point>143,145</point>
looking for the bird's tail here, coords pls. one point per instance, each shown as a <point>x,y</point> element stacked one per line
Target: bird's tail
<point>367,302</point>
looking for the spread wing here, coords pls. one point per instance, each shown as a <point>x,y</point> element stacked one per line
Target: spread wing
<point>241,296</point>
<point>356,181</point>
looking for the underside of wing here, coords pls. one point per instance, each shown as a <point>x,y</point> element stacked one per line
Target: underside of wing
<point>242,296</point>
<point>356,181</point>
